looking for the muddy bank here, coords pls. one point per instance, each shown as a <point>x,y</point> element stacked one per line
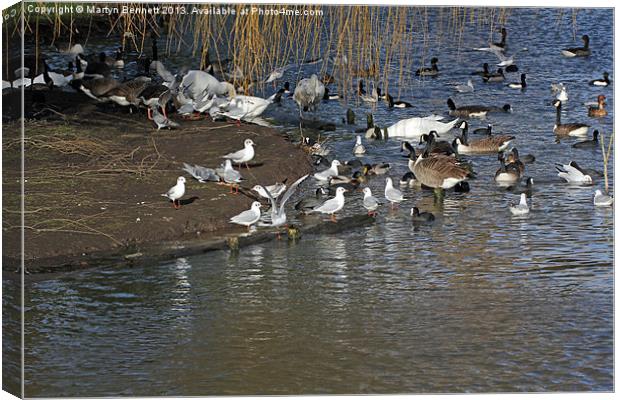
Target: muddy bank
<point>94,175</point>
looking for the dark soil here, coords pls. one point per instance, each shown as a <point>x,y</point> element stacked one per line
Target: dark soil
<point>94,175</point>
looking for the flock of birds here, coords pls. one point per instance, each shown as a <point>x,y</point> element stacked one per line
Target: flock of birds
<point>433,163</point>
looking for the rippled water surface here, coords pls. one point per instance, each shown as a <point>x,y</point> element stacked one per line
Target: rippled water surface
<point>478,301</point>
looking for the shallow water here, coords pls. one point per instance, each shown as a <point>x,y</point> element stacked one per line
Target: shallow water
<point>478,301</point>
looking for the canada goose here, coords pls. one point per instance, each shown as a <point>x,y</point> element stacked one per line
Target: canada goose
<point>601,82</point>
<point>579,51</point>
<point>327,79</point>
<point>434,146</point>
<point>602,200</point>
<point>502,43</point>
<point>518,85</point>
<point>598,111</point>
<point>521,208</point>
<point>484,72</point>
<point>359,148</point>
<point>573,174</point>
<point>429,71</point>
<point>560,129</point>
<point>97,88</point>
<point>474,111</point>
<point>507,174</point>
<point>329,96</point>
<point>370,202</point>
<point>309,93</point>
<point>496,77</point>
<point>462,187</point>
<point>98,69</point>
<point>438,171</point>
<point>589,144</point>
<point>393,195</point>
<point>525,187</point>
<point>513,158</point>
<point>396,104</point>
<point>155,95</point>
<point>421,217</point>
<point>489,144</point>
<point>468,88</point>
<point>60,78</point>
<point>126,94</point>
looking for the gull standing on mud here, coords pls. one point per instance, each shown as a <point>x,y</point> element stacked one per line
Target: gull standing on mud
<point>333,205</point>
<point>230,176</point>
<point>176,192</point>
<point>248,217</point>
<point>274,190</point>
<point>244,155</point>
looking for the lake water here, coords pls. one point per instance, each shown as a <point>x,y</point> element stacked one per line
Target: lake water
<point>479,301</point>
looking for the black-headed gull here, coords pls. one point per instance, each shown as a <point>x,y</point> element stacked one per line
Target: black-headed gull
<point>333,205</point>
<point>202,174</point>
<point>244,155</point>
<point>248,217</point>
<point>602,200</point>
<point>573,174</point>
<point>230,176</point>
<point>176,192</point>
<point>370,202</point>
<point>329,172</point>
<point>393,195</point>
<point>521,208</point>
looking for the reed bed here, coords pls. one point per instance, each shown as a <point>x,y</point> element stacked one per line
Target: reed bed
<point>368,42</point>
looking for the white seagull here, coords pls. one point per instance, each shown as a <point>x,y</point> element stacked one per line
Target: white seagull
<point>176,192</point>
<point>468,88</point>
<point>329,172</point>
<point>202,174</point>
<point>248,217</point>
<point>370,202</point>
<point>359,148</point>
<point>274,190</point>
<point>602,200</point>
<point>393,195</point>
<point>333,205</point>
<point>573,174</point>
<point>244,155</point>
<point>229,175</point>
<point>521,208</point>
<point>278,216</point>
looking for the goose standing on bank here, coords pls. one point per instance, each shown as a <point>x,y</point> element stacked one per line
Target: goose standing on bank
<point>573,129</point>
<point>601,82</point>
<point>522,208</point>
<point>96,88</point>
<point>308,94</point>
<point>573,174</point>
<point>579,51</point>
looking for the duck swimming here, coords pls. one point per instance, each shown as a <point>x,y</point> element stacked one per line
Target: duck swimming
<point>579,51</point>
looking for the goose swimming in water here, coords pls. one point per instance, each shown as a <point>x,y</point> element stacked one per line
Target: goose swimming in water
<point>484,72</point>
<point>396,104</point>
<point>438,171</point>
<point>579,51</point>
<point>474,111</point>
<point>572,129</point>
<point>489,144</point>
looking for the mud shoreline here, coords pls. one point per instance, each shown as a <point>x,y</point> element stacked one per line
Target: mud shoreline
<point>94,175</point>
